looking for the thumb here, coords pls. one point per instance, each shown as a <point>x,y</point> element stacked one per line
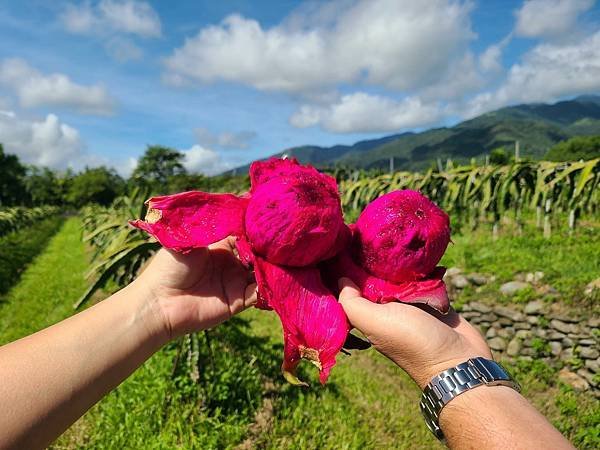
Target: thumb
<point>360,311</point>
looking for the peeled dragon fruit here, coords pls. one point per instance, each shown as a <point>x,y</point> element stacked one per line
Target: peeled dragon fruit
<point>397,243</point>
<point>289,221</point>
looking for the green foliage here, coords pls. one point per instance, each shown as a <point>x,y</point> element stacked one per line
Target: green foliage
<point>540,347</point>
<point>18,217</point>
<point>45,187</point>
<point>98,185</point>
<point>18,248</point>
<point>499,157</point>
<point>11,179</point>
<point>574,149</point>
<point>473,195</point>
<point>157,165</point>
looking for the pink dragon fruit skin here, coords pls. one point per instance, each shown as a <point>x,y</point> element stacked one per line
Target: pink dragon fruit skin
<point>290,220</point>
<point>401,236</point>
<point>293,218</point>
<point>396,243</point>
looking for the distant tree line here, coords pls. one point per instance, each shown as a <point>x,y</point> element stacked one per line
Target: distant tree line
<point>159,171</point>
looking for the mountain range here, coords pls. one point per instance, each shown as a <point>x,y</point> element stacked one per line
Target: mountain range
<point>537,127</point>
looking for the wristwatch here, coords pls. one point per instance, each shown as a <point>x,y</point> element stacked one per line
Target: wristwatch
<point>456,380</point>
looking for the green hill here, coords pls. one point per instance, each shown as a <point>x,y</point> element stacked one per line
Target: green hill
<point>537,127</point>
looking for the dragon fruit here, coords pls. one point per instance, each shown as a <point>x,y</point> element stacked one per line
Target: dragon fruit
<point>397,242</point>
<point>289,221</point>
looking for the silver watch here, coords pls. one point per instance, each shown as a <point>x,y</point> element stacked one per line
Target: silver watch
<point>456,380</point>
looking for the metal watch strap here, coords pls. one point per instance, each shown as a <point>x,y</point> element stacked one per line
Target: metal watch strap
<point>456,380</point>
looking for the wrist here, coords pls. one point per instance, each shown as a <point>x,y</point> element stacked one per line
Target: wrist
<point>148,311</point>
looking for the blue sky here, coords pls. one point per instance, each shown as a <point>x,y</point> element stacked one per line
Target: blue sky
<point>89,83</point>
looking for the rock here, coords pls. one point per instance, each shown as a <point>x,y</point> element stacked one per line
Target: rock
<point>579,336</point>
<point>547,291</point>
<point>452,271</point>
<point>587,342</point>
<point>533,320</point>
<point>497,344</point>
<point>514,347</point>
<point>568,342</point>
<point>520,276</point>
<point>555,348</point>
<point>588,353</point>
<point>553,335</point>
<point>591,287</point>
<point>567,354</point>
<point>491,333</point>
<point>470,314</point>
<point>509,313</point>
<point>504,322</point>
<point>561,326</point>
<point>594,366</point>
<point>489,317</point>
<point>527,351</point>
<point>507,332</point>
<point>512,287</point>
<point>477,279</point>
<point>465,307</point>
<point>565,318</point>
<point>534,307</point>
<point>578,383</point>
<point>594,322</point>
<point>522,326</point>
<point>476,306</point>
<point>534,277</point>
<point>459,281</point>
<point>583,373</point>
<point>526,358</point>
<point>523,334</point>
<point>540,332</point>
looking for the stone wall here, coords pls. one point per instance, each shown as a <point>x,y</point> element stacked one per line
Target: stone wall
<point>532,331</point>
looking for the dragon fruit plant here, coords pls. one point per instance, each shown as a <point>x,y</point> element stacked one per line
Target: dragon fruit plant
<point>290,229</point>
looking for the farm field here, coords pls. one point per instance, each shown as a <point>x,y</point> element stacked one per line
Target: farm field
<point>237,398</point>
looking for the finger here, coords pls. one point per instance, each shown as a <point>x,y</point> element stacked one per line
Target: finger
<point>360,311</point>
<point>250,295</point>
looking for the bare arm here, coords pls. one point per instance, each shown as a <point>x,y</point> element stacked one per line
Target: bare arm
<point>486,417</point>
<point>49,379</point>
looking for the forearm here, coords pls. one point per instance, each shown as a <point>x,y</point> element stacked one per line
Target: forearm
<point>49,379</point>
<point>497,417</point>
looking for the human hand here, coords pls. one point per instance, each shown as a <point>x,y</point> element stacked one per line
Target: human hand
<point>197,290</point>
<point>422,343</point>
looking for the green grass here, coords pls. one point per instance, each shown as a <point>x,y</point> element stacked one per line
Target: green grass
<point>569,262</point>
<point>48,287</point>
<point>18,248</point>
<point>240,400</point>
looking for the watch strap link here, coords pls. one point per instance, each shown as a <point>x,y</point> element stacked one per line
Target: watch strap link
<point>456,380</point>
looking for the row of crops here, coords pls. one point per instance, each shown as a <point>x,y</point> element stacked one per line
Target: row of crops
<point>18,217</point>
<point>475,194</point>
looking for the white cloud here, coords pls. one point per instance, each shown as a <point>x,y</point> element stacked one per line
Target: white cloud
<point>36,89</point>
<point>547,72</point>
<point>204,160</point>
<point>123,50</point>
<point>399,44</point>
<point>226,140</point>
<point>549,18</point>
<point>47,142</point>
<point>125,16</point>
<point>361,112</point>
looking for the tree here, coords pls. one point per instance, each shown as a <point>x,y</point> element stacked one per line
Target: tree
<point>499,157</point>
<point>12,191</point>
<point>574,149</point>
<point>157,165</point>
<point>43,186</point>
<point>98,185</point>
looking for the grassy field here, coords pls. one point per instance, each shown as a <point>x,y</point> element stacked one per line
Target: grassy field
<point>228,393</point>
